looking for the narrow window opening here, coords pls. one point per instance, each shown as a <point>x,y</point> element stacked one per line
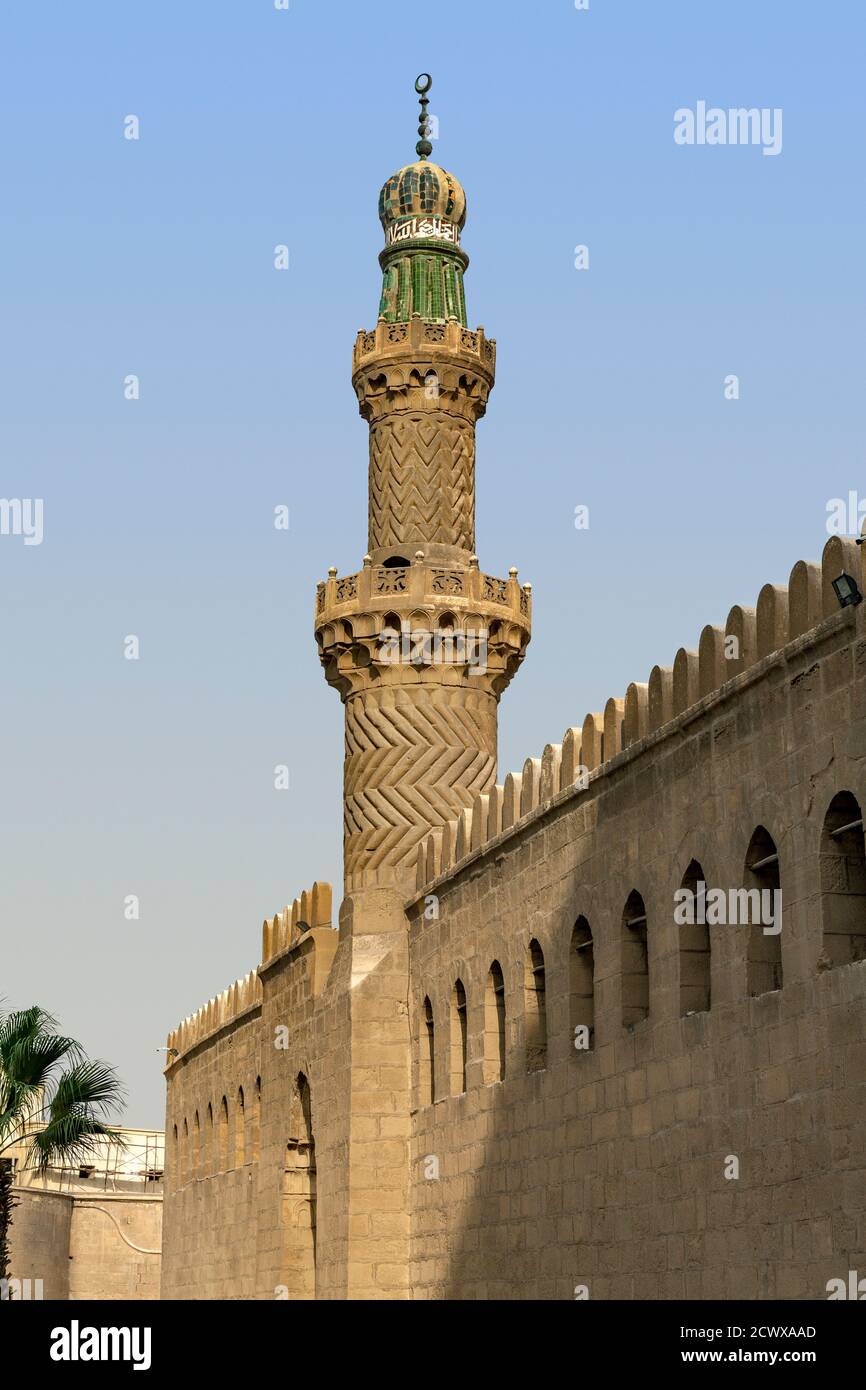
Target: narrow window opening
<point>582,987</point>
<point>240,1130</point>
<point>427,1056</point>
<point>255,1138</point>
<point>843,883</point>
<point>458,1039</point>
<point>535,1009</point>
<point>694,951</point>
<point>635,962</point>
<point>494,1025</point>
<point>761,914</point>
<point>224,1135</point>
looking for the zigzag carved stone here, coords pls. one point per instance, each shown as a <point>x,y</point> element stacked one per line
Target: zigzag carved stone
<point>422,481</point>
<point>415,757</point>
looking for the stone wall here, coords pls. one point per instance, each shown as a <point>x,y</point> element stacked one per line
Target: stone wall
<point>605,1169</point>
<point>39,1240</point>
<point>95,1247</point>
<point>211,1182</point>
<point>241,1211</point>
<point>710,1142</point>
<point>115,1244</point>
<point>319,1208</point>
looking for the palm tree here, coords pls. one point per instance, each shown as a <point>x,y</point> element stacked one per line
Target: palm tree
<point>54,1113</point>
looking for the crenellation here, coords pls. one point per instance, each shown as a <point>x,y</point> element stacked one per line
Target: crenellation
<point>425,868</point>
<point>446,848</point>
<point>685,686</point>
<point>571,763</point>
<point>479,820</point>
<point>551,763</point>
<point>841,555</point>
<point>805,608</point>
<point>613,732</point>
<point>636,713</point>
<point>713,670</point>
<point>672,692</point>
<point>741,626</point>
<point>463,835</point>
<point>772,619</point>
<point>511,799</point>
<point>434,850</point>
<point>660,698</point>
<point>494,810</point>
<point>592,741</point>
<point>530,786</point>
<point>214,1015</point>
<point>311,909</point>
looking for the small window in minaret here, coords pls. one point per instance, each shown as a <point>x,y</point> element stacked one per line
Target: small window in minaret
<point>395,562</point>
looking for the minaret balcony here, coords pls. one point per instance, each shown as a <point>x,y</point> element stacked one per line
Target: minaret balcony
<point>433,587</point>
<point>420,337</point>
<point>374,624</point>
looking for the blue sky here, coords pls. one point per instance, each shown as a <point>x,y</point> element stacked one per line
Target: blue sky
<point>155,257</point>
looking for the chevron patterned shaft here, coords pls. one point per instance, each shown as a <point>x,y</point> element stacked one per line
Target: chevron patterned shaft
<point>415,757</point>
<point>422,481</point>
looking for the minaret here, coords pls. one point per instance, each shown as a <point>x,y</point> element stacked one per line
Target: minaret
<point>419,643</point>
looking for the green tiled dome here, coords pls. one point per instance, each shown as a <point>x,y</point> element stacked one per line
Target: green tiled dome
<point>420,190</point>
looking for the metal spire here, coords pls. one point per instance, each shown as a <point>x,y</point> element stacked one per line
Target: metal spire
<point>423,83</point>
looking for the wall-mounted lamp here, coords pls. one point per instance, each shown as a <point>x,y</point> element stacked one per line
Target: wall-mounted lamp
<point>846,591</point>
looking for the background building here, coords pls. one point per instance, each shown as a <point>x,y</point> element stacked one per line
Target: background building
<point>93,1230</point>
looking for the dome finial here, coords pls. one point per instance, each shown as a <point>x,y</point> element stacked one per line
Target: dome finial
<point>423,83</point>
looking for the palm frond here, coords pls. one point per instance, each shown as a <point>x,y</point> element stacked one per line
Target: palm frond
<point>18,1021</point>
<point>60,1118</point>
<point>26,1067</point>
<point>69,1139</point>
<point>94,1085</point>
